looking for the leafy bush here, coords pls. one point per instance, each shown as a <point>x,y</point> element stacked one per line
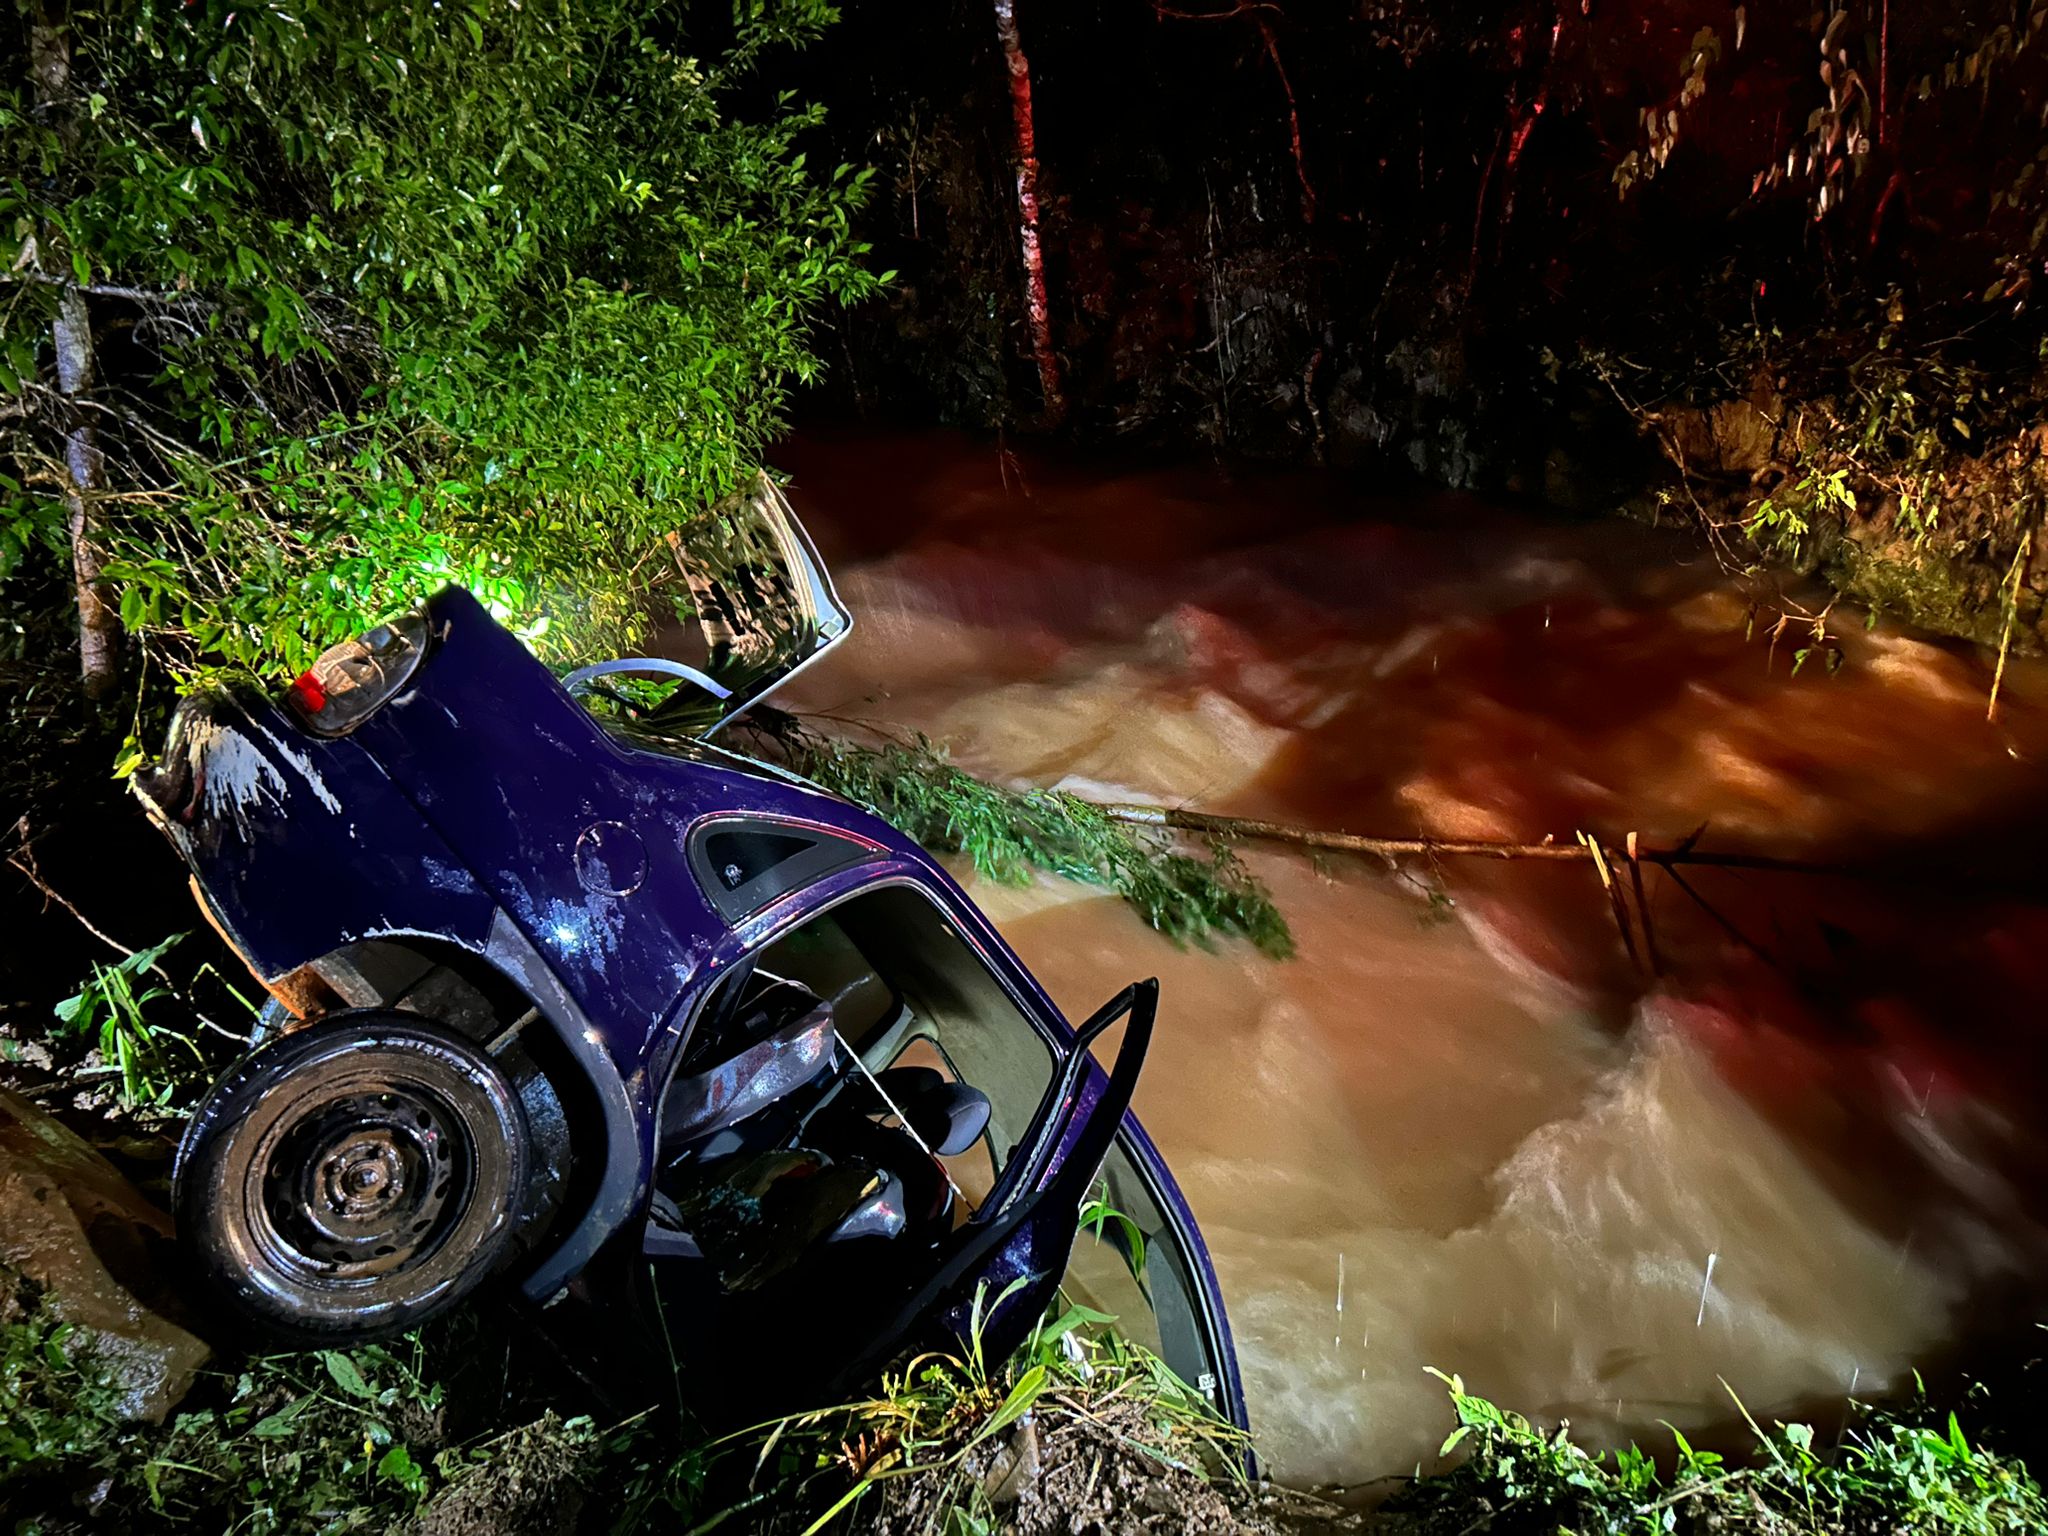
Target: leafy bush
<point>54,1410</point>
<point>339,1440</point>
<point>374,298</point>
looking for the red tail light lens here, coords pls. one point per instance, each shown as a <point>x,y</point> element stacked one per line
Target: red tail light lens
<point>351,681</point>
<point>308,693</point>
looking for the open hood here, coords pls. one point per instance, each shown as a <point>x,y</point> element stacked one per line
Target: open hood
<point>756,606</point>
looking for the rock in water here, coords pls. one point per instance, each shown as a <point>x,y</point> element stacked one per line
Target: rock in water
<point>65,1212</point>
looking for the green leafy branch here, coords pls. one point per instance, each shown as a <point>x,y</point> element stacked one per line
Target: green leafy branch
<point>1009,834</point>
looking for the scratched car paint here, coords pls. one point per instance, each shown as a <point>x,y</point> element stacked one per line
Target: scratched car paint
<point>571,1001</point>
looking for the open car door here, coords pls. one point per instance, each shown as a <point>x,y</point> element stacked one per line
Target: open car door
<point>811,1310</point>
<point>756,604</point>
<point>1141,1259</point>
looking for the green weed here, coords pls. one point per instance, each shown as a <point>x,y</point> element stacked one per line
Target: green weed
<point>54,1409</point>
<point>331,1441</point>
<point>931,1444</point>
<point>152,1062</point>
<point>1886,1475</point>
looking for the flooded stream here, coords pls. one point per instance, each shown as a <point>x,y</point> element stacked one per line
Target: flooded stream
<point>1795,1148</point>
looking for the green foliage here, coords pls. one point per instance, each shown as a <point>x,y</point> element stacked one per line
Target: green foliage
<point>151,1061</point>
<point>1886,1475</point>
<point>1902,442</point>
<point>54,1411</point>
<point>1781,523</point>
<point>1009,833</point>
<point>333,1441</point>
<point>390,296</point>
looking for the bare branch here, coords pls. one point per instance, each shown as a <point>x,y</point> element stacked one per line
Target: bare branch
<point>158,298</point>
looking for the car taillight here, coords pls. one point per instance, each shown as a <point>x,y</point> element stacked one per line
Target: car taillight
<point>351,681</point>
<point>308,693</point>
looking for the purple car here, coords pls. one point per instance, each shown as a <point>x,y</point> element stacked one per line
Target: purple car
<point>564,993</point>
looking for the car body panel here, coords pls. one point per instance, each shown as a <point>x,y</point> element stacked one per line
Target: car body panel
<point>485,807</point>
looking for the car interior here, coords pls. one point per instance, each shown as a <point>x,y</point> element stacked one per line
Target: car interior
<point>845,1103</point>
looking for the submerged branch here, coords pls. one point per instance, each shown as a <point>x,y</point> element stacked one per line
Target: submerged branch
<point>1432,847</point>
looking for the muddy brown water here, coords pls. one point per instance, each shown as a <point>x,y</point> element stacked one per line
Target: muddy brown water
<point>1461,1129</point>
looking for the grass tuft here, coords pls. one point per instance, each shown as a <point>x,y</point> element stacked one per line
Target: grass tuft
<point>953,1442</point>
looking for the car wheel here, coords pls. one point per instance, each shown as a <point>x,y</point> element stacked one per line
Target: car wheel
<point>352,1179</point>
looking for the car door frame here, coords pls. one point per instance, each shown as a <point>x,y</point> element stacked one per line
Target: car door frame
<point>1078,1086</point>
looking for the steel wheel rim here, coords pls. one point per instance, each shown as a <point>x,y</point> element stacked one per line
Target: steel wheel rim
<point>363,1184</point>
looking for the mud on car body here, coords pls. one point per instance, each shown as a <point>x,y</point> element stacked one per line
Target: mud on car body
<point>639,1025</point>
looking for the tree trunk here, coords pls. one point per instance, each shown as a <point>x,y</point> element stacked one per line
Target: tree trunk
<point>1037,308</point>
<point>99,626</point>
<point>1308,191</point>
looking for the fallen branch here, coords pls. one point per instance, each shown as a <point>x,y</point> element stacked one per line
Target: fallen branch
<point>1433,847</point>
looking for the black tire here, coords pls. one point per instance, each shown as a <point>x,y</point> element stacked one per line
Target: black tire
<point>352,1179</point>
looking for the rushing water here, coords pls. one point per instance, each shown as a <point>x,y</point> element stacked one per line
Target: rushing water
<point>1463,1129</point>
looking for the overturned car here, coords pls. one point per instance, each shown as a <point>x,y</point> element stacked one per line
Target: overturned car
<point>570,996</point>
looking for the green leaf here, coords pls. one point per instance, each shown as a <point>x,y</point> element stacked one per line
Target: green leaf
<point>146,959</point>
<point>276,1425</point>
<point>1017,1404</point>
<point>397,1465</point>
<point>1074,1317</point>
<point>345,1374</point>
